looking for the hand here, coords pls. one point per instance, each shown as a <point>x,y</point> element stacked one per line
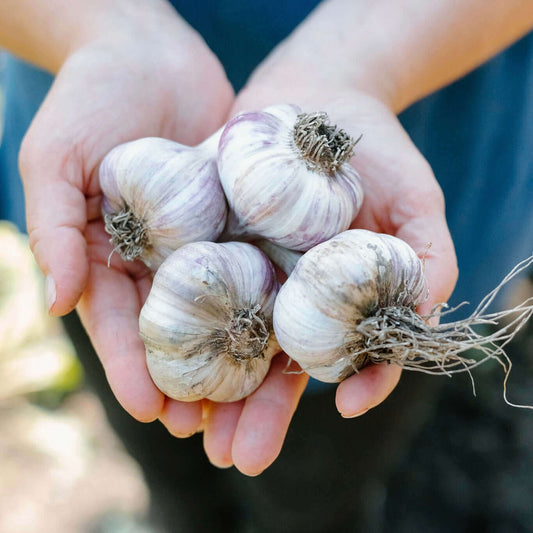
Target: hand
<point>402,195</point>
<point>108,92</point>
<point>111,90</point>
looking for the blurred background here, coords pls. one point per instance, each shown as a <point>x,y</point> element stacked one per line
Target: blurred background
<point>57,451</point>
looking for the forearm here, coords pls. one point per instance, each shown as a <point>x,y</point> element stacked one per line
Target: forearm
<point>45,32</point>
<point>403,50</point>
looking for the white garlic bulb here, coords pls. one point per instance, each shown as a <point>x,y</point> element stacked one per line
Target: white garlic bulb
<point>333,289</point>
<point>207,322</point>
<point>287,178</point>
<point>159,195</point>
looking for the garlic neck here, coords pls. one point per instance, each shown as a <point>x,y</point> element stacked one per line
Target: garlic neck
<point>282,257</point>
<point>129,236</point>
<point>323,146</point>
<point>247,334</point>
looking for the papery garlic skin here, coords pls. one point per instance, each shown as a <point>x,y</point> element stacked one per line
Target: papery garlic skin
<point>274,191</point>
<point>333,288</point>
<point>207,322</point>
<point>159,195</point>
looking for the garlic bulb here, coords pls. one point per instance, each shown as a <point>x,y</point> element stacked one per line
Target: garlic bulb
<point>207,322</point>
<point>333,288</point>
<point>159,195</point>
<point>351,301</point>
<point>287,178</point>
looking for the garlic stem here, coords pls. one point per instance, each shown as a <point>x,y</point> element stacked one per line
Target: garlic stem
<point>247,333</point>
<point>210,145</point>
<point>282,257</point>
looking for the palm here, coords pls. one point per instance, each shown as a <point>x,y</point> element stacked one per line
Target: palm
<point>90,109</point>
<point>402,197</point>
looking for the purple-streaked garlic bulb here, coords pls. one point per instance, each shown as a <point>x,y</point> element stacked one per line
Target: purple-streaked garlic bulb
<point>160,195</point>
<point>207,322</point>
<point>352,301</point>
<point>358,276</point>
<point>287,177</point>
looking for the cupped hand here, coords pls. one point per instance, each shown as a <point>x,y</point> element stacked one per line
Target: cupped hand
<point>136,83</point>
<point>108,92</point>
<point>170,85</point>
<point>402,196</point>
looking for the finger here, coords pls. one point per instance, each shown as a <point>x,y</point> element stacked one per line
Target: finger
<point>430,238</point>
<point>56,221</point>
<point>363,391</point>
<point>94,207</point>
<point>51,168</point>
<point>220,423</point>
<point>109,309</point>
<point>182,419</point>
<point>265,418</point>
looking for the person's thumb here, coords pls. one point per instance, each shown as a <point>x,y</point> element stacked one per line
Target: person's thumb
<point>56,213</point>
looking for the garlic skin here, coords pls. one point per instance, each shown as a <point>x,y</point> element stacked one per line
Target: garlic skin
<point>159,195</point>
<point>287,178</point>
<point>207,322</point>
<point>334,287</point>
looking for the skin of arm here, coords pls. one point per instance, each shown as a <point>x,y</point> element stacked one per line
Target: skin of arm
<point>399,50</point>
<point>47,33</point>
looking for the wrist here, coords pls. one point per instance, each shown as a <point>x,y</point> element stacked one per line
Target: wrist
<point>326,56</point>
<point>47,33</point>
<point>132,25</point>
<point>397,51</point>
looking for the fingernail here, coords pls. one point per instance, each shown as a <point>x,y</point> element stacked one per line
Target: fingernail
<point>222,467</point>
<point>359,413</point>
<point>179,435</point>
<point>253,474</point>
<point>221,462</point>
<point>50,287</point>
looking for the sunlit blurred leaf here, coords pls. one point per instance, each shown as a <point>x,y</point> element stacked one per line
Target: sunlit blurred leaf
<point>35,354</point>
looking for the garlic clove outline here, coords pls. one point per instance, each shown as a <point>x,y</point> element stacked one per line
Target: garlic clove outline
<point>207,322</point>
<point>333,288</point>
<point>287,178</point>
<point>159,195</point>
